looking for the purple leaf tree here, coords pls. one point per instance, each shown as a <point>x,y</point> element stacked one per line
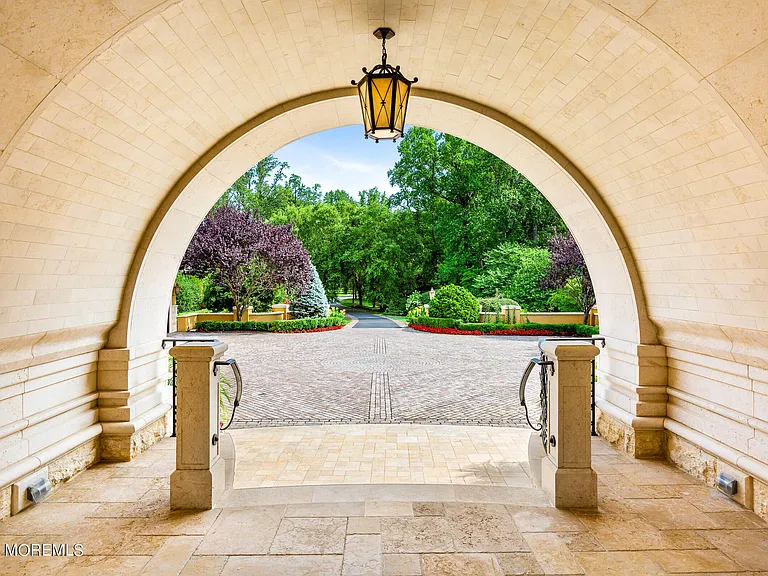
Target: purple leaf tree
<point>568,270</point>
<point>250,257</point>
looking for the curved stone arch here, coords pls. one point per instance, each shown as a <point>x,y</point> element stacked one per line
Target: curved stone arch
<point>620,296</point>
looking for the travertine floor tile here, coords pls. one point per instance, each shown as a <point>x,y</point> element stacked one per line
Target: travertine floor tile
<point>625,532</point>
<point>519,563</point>
<point>619,564</point>
<point>204,566</point>
<point>104,536</point>
<point>672,513</point>
<point>367,525</point>
<point>181,522</point>
<point>152,503</point>
<point>48,518</point>
<point>248,532</point>
<point>105,566</point>
<point>467,564</point>
<point>653,473</point>
<point>680,561</point>
<point>283,566</point>
<point>451,530</point>
<point>747,547</point>
<point>388,509</point>
<point>172,556</point>
<point>362,555</point>
<point>428,509</point>
<point>416,535</point>
<point>738,520</point>
<point>310,536</point>
<point>552,554</point>
<point>483,528</point>
<point>531,519</point>
<point>32,566</point>
<point>401,565</point>
<point>325,509</point>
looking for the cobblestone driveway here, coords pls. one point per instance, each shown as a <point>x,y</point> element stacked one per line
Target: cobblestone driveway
<point>378,375</point>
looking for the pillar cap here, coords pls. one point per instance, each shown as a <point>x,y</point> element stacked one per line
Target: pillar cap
<point>569,350</point>
<point>199,351</point>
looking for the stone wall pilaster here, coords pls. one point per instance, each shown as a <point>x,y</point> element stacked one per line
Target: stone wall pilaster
<point>134,399</point>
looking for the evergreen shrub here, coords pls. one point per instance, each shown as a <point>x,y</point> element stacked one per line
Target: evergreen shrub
<point>190,295</point>
<point>455,302</point>
<point>312,303</point>
<point>494,303</point>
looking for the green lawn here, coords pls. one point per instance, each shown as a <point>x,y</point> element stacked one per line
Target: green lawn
<point>367,304</point>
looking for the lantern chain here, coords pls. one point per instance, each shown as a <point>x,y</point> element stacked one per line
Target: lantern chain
<point>384,50</point>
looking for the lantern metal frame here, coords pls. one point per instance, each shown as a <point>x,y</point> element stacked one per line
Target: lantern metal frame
<point>366,87</point>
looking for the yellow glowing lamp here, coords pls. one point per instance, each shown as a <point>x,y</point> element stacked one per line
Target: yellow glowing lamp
<point>384,93</point>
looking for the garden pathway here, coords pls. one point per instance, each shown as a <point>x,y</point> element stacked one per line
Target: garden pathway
<point>366,375</point>
<point>368,320</point>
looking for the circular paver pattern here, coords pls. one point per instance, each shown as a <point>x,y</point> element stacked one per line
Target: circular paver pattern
<point>377,375</point>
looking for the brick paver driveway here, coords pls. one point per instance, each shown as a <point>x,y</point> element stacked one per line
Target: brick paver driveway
<point>372,375</point>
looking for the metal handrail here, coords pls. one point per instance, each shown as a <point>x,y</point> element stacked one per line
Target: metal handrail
<point>239,381</point>
<point>591,339</point>
<point>523,381</point>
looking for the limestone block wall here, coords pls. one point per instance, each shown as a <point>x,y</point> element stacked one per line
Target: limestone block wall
<point>45,411</point>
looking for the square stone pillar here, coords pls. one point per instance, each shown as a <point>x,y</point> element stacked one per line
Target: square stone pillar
<point>199,477</point>
<point>566,473</point>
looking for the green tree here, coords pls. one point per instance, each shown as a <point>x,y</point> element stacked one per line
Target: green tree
<point>515,271</point>
<point>466,201</point>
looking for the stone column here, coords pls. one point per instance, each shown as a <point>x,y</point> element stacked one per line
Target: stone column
<point>199,477</point>
<point>566,473</point>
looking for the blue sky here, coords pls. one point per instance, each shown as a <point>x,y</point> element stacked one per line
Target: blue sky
<point>341,158</point>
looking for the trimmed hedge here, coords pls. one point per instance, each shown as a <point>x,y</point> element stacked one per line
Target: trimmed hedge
<point>580,330</point>
<point>454,302</point>
<point>297,325</point>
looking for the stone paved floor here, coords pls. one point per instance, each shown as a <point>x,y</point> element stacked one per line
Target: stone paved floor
<point>361,375</point>
<point>374,453</point>
<point>652,520</point>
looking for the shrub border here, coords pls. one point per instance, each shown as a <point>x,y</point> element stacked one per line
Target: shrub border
<point>457,327</point>
<point>286,326</point>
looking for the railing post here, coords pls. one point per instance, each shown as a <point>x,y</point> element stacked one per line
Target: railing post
<point>566,472</point>
<point>199,477</point>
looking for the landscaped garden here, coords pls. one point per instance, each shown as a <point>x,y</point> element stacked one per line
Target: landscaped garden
<point>455,310</point>
<point>462,225</point>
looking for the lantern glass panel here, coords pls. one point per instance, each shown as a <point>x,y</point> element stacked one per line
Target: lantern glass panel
<point>382,96</point>
<point>362,90</point>
<point>401,104</point>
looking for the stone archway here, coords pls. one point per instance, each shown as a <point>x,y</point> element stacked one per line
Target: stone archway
<point>660,105</point>
<point>624,318</point>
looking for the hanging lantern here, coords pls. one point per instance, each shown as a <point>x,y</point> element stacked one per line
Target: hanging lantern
<point>384,93</point>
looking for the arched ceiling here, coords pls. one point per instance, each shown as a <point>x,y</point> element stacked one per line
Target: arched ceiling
<point>43,43</point>
<point>661,105</point>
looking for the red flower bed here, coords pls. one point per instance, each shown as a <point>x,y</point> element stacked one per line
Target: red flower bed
<point>481,333</point>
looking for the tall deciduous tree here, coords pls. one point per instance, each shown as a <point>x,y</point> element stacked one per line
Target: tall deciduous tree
<point>568,270</point>
<point>466,201</point>
<point>250,257</point>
